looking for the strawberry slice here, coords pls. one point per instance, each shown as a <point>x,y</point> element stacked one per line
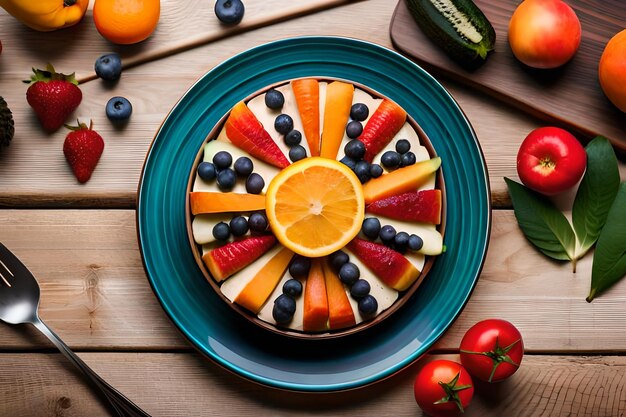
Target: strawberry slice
<point>414,206</point>
<point>380,129</point>
<point>246,132</point>
<point>234,256</point>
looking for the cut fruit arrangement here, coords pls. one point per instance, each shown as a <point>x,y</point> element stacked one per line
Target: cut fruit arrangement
<point>315,207</point>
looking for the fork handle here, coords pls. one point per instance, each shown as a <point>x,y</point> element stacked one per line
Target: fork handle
<point>118,403</point>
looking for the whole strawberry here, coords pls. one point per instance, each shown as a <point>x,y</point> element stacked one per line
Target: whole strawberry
<point>53,96</point>
<point>82,149</point>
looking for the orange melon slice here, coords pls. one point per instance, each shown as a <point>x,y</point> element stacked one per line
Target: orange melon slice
<point>315,314</point>
<point>340,314</point>
<point>307,93</point>
<point>208,202</point>
<point>336,113</point>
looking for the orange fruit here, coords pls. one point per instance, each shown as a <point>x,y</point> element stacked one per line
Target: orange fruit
<point>315,206</point>
<point>126,21</point>
<point>612,70</point>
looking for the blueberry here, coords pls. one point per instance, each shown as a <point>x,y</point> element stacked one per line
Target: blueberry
<point>238,226</point>
<point>221,231</point>
<point>349,273</point>
<point>354,129</point>
<point>403,146</point>
<point>109,67</point>
<point>222,160</point>
<point>226,179</point>
<point>387,233</point>
<point>229,11</point>
<point>292,288</point>
<point>255,183</point>
<point>337,259</point>
<point>376,170</point>
<point>283,124</point>
<point>274,99</point>
<point>284,308</point>
<point>362,171</point>
<point>297,153</point>
<point>349,162</point>
<point>401,241</point>
<point>390,159</point>
<point>257,222</point>
<point>355,149</point>
<point>408,159</point>
<point>360,289</point>
<point>415,242</point>
<point>359,112</point>
<point>371,227</point>
<point>244,166</point>
<point>206,171</point>
<point>368,305</point>
<point>118,109</point>
<point>293,138</point>
<point>299,267</point>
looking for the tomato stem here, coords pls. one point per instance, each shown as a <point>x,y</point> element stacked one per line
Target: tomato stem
<point>498,355</point>
<point>452,392</point>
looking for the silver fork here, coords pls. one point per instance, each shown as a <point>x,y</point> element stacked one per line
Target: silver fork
<point>19,303</point>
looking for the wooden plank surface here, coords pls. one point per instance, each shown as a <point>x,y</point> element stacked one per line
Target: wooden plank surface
<point>570,95</point>
<point>96,296</point>
<point>172,385</point>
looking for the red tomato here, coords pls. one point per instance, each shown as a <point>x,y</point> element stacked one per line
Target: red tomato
<point>550,160</point>
<point>544,33</point>
<point>443,388</point>
<point>492,350</point>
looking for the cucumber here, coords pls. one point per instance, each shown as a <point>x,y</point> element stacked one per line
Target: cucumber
<point>459,27</point>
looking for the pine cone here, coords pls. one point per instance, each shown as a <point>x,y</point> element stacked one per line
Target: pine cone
<point>7,128</point>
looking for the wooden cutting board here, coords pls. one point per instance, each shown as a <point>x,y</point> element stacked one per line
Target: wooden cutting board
<point>569,96</point>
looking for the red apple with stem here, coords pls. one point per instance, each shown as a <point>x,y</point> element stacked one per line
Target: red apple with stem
<point>551,160</point>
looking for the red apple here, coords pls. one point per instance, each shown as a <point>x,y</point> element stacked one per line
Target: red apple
<point>544,33</point>
<point>550,160</point>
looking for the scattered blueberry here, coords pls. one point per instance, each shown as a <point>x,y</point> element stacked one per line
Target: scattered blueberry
<point>355,149</point>
<point>360,289</point>
<point>408,159</point>
<point>293,138</point>
<point>371,227</point>
<point>274,99</point>
<point>299,267</point>
<point>292,288</point>
<point>206,171</point>
<point>221,231</point>
<point>222,160</point>
<point>349,273</point>
<point>226,179</point>
<point>354,129</point>
<point>283,124</point>
<point>401,241</point>
<point>297,153</point>
<point>243,166</point>
<point>337,259</point>
<point>257,222</point>
<point>109,67</point>
<point>376,170</point>
<point>284,308</point>
<point>362,171</point>
<point>415,242</point>
<point>349,162</point>
<point>390,159</point>
<point>368,305</point>
<point>238,226</point>
<point>403,146</point>
<point>359,112</point>
<point>255,183</point>
<point>229,11</point>
<point>387,233</point>
<point>118,109</point>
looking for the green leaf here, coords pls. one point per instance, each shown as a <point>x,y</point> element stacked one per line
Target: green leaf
<point>595,194</point>
<point>542,223</point>
<point>609,259</point>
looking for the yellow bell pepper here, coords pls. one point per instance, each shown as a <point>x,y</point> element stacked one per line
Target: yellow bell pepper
<point>46,15</point>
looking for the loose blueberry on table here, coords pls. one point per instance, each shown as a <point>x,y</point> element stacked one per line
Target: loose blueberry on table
<point>229,11</point>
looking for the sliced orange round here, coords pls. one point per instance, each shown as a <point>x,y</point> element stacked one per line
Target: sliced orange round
<point>315,206</point>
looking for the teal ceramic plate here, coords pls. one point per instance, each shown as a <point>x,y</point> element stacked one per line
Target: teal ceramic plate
<point>265,357</point>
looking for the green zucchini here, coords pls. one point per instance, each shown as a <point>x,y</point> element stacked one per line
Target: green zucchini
<point>459,27</point>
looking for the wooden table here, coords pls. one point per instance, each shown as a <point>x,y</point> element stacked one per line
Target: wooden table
<point>80,241</point>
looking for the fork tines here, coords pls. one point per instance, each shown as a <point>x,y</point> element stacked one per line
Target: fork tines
<point>8,270</point>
